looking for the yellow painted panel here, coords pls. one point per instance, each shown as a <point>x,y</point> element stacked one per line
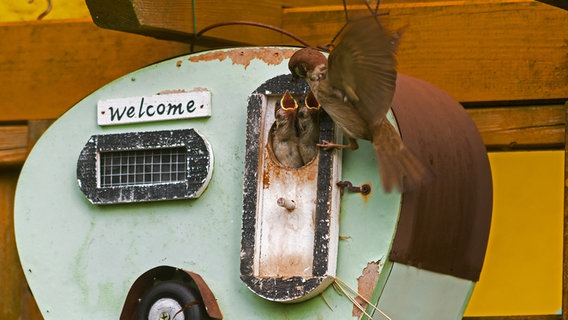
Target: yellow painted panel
<point>522,274</point>
<point>22,10</point>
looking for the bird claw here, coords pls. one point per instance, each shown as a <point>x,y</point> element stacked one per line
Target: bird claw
<point>326,145</point>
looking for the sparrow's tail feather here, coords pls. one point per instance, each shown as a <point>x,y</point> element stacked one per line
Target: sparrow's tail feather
<point>398,166</point>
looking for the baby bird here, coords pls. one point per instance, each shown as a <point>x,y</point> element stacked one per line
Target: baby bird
<point>355,86</point>
<point>285,137</point>
<point>308,127</point>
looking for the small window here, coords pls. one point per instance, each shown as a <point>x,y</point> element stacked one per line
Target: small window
<point>144,166</point>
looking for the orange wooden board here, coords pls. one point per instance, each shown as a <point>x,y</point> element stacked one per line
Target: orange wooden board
<point>47,67</point>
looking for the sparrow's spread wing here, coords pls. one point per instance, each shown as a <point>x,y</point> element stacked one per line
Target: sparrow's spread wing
<point>363,67</point>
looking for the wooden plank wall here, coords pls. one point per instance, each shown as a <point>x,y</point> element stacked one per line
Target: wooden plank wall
<point>474,50</point>
<point>479,51</point>
<point>50,73</point>
<point>506,60</point>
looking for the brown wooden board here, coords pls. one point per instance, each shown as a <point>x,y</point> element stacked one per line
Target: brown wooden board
<point>476,51</point>
<point>186,17</point>
<point>46,67</point>
<point>501,128</point>
<point>490,51</point>
<point>17,300</point>
<point>13,144</point>
<point>520,127</point>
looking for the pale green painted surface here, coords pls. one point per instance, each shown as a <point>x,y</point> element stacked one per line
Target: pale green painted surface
<point>411,293</point>
<point>80,259</point>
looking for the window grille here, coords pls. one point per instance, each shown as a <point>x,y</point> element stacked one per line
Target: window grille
<point>140,167</point>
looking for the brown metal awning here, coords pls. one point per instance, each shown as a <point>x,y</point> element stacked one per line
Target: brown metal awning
<point>444,225</point>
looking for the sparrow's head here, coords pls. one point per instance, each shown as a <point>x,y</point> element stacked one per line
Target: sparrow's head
<point>286,113</point>
<point>304,61</point>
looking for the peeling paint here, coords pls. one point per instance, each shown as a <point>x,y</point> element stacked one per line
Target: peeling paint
<point>244,56</point>
<point>172,91</point>
<point>366,285</point>
<point>175,91</point>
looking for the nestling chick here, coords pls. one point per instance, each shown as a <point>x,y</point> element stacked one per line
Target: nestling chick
<point>355,86</point>
<point>285,136</point>
<point>308,127</point>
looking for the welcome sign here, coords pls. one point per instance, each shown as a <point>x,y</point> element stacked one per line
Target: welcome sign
<point>185,105</point>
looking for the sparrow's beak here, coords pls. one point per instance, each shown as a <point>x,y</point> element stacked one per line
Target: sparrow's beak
<point>311,101</point>
<point>288,103</point>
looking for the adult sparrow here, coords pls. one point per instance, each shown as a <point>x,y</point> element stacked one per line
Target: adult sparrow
<point>355,86</point>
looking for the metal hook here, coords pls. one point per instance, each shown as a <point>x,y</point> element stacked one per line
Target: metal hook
<point>364,189</point>
<point>47,10</point>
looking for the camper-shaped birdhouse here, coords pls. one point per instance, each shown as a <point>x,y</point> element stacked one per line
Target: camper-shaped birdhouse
<point>195,187</point>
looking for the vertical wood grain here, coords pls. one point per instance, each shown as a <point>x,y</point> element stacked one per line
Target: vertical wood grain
<point>16,299</point>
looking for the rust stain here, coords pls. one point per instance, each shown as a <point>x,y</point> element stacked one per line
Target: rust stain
<point>366,285</point>
<point>366,197</point>
<point>266,173</point>
<point>313,173</point>
<point>288,265</point>
<point>244,56</point>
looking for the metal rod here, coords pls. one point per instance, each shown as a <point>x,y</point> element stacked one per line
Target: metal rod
<point>286,204</point>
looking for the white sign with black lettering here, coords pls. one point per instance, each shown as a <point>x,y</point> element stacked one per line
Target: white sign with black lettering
<point>185,105</point>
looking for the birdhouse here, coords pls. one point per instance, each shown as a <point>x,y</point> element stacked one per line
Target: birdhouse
<point>165,192</point>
